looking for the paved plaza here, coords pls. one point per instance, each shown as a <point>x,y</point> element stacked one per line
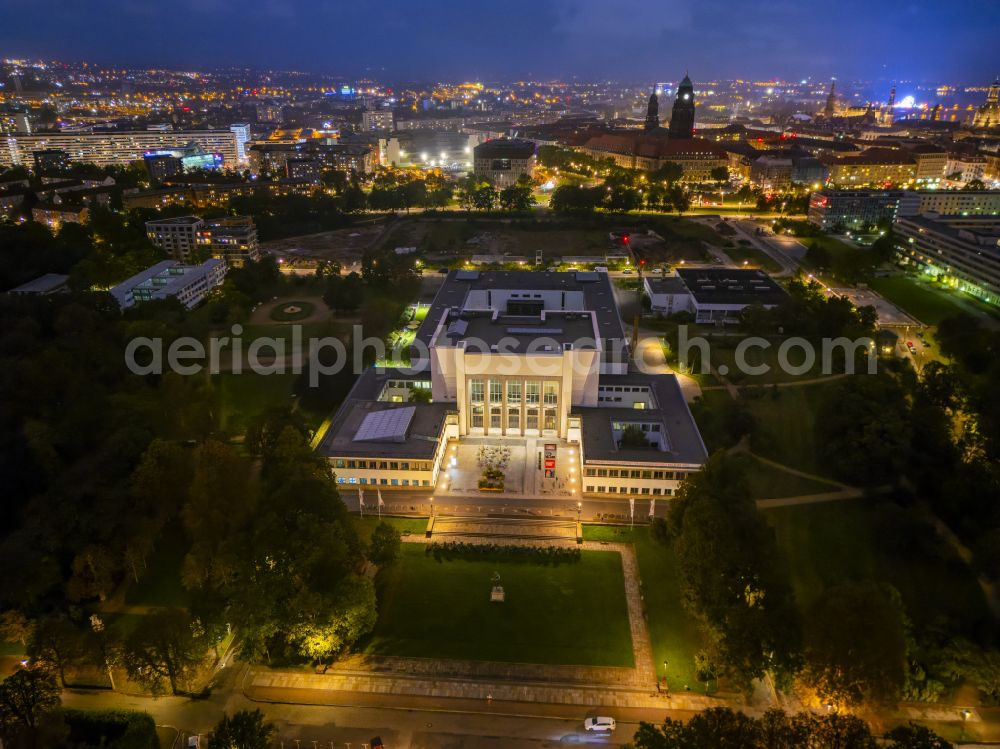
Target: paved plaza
<point>522,462</point>
<point>888,313</point>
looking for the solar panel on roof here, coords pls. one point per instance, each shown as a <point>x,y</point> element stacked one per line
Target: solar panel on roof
<point>467,275</point>
<point>458,327</point>
<point>389,425</point>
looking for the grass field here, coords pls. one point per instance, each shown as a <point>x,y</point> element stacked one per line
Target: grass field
<point>753,257</point>
<point>926,303</point>
<point>572,613</point>
<point>723,354</point>
<point>675,635</point>
<point>365,525</point>
<point>866,539</point>
<point>160,583</point>
<point>767,482</point>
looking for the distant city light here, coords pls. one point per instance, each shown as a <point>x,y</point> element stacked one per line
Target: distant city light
<point>907,102</point>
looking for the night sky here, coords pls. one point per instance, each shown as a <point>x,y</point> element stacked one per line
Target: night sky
<point>635,40</point>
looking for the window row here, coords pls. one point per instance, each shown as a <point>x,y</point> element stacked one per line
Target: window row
<point>655,491</point>
<point>384,465</point>
<point>383,482</point>
<point>477,418</point>
<point>534,392</point>
<point>635,473</point>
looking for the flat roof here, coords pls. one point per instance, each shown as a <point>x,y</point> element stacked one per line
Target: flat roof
<point>731,286</point>
<point>666,285</point>
<point>425,421</point>
<point>520,334</point>
<point>42,285</point>
<point>598,297</point>
<point>671,412</point>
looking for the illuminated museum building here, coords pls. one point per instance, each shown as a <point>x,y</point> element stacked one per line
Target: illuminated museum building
<point>535,357</point>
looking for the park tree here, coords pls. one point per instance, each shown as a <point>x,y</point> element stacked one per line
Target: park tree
<point>58,643</point>
<point>485,198</point>
<point>912,736</point>
<point>865,422</point>
<point>855,646</point>
<point>720,175</point>
<point>94,570</point>
<point>670,173</point>
<point>679,199</point>
<point>516,198</point>
<point>731,574</point>
<point>245,729</point>
<point>16,627</point>
<point>27,699</point>
<point>163,651</point>
<point>384,546</point>
<point>220,500</point>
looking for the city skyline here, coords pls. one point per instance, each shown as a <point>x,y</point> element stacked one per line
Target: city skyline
<point>553,39</point>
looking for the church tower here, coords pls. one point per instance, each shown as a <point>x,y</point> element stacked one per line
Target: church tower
<point>653,112</point>
<point>830,110</point>
<point>682,116</point>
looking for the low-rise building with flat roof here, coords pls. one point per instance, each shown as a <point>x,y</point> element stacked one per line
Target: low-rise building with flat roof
<point>713,295</point>
<point>189,284</point>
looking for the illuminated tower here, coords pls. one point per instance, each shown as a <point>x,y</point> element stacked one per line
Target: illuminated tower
<point>831,101</point>
<point>682,116</point>
<point>653,112</point>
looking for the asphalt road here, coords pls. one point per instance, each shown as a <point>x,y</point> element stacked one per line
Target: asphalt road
<point>352,720</point>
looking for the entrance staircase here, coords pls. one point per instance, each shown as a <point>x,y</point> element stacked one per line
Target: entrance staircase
<point>452,527</point>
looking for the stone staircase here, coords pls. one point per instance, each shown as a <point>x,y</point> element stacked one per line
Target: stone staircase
<point>457,528</point>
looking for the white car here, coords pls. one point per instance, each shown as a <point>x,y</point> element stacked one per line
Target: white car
<point>600,723</point>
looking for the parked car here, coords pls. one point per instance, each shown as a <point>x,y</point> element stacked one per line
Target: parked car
<point>657,270</point>
<point>628,272</point>
<point>443,270</point>
<point>599,723</point>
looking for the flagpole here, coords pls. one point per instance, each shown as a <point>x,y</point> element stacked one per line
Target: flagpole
<point>361,502</point>
<point>380,503</point>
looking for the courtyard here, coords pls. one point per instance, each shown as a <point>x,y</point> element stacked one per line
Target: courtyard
<point>566,613</point>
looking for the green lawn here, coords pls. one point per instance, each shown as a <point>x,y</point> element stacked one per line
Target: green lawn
<point>160,583</point>
<point>871,540</point>
<point>767,482</point>
<point>365,525</point>
<point>674,633</point>
<point>786,426</point>
<point>929,305</point>
<point>292,310</point>
<point>571,613</point>
<point>245,395</point>
<point>754,258</point>
<point>723,354</point>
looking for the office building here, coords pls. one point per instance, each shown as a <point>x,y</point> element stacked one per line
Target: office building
<point>116,147</point>
<point>712,295</point>
<point>874,167</point>
<point>536,362</point>
<point>44,285</point>
<point>189,284</point>
<point>376,120</point>
<point>853,209</point>
<point>963,251</point>
<point>241,132</point>
<point>191,238</point>
<point>178,236</point>
<point>503,161</point>
<point>650,151</point>
<point>950,202</point>
<point>231,238</point>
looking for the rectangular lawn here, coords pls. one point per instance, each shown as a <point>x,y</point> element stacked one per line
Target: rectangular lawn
<point>570,613</point>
